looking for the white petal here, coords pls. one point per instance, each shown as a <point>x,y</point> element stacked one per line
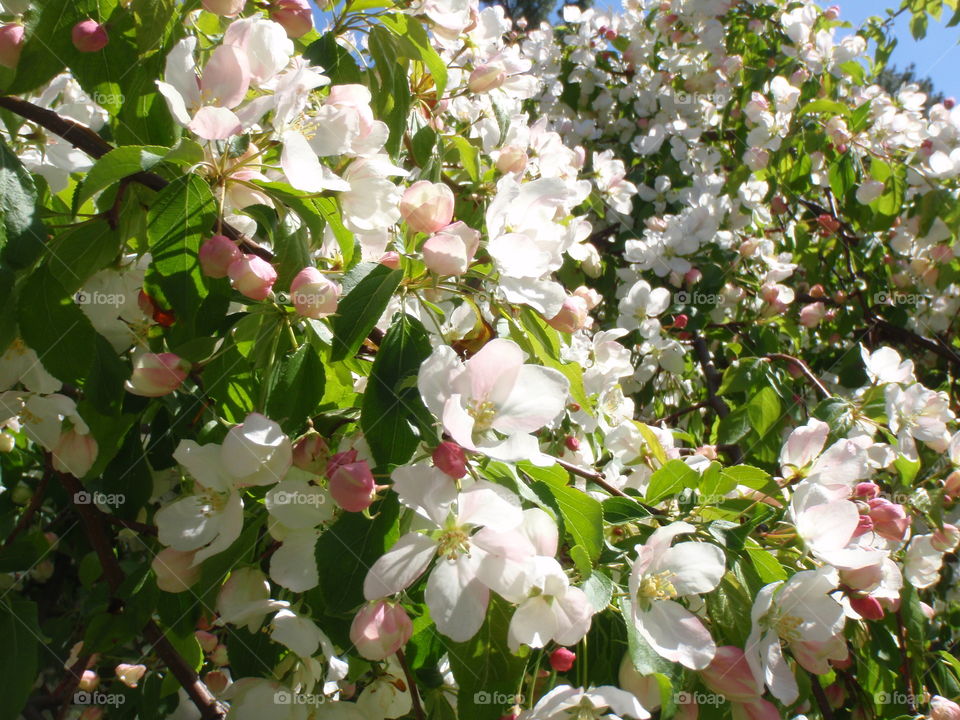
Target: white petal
<point>676,634</point>
<point>400,566</point>
<point>456,598</point>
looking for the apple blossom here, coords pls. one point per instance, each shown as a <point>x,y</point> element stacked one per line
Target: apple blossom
<point>157,374</point>
<point>450,458</point>
<point>89,36</point>
<point>295,16</point>
<point>351,481</point>
<point>450,250</point>
<point>427,207</point>
<point>130,675</point>
<point>252,276</point>
<point>11,44</point>
<point>217,254</point>
<point>943,709</point>
<point>659,576</point>
<point>313,294</point>
<point>228,8</point>
<point>380,629</point>
<point>175,570</point>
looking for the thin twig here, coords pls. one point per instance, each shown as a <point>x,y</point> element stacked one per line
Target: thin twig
<point>93,522</point>
<point>85,139</point>
<point>821,697</point>
<point>598,479</point>
<point>35,502</point>
<point>412,685</point>
<point>713,380</point>
<point>805,369</point>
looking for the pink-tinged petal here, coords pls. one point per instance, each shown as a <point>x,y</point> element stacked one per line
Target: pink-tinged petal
<point>303,169</point>
<point>804,444</point>
<point>400,566</point>
<point>758,709</point>
<point>426,490</point>
<point>226,77</point>
<point>574,615</point>
<point>215,123</point>
<point>533,624</point>
<point>436,375</point>
<point>537,397</point>
<point>458,422</point>
<point>231,524</point>
<point>456,598</point>
<point>777,674</point>
<point>829,526</point>
<point>490,505</point>
<point>181,72</point>
<point>175,102</point>
<point>676,634</point>
<point>695,567</point>
<point>492,372</point>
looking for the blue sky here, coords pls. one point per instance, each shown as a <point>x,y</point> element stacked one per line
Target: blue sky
<point>937,56</point>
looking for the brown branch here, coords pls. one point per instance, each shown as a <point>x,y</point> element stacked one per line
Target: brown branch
<point>679,414</point>
<point>129,524</point>
<point>412,685</point>
<point>598,479</point>
<point>821,697</point>
<point>895,333</point>
<point>85,139</point>
<point>96,533</point>
<point>35,502</point>
<point>803,368</point>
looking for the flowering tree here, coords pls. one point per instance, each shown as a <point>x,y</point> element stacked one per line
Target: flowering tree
<point>427,365</point>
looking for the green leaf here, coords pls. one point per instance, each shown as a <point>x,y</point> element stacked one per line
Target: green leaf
<point>117,164</point>
<point>53,326</point>
<point>582,517</point>
<point>417,46</point>
<point>763,410</point>
<point>81,251</point>
<point>392,408</point>
<point>485,669</point>
<point>337,62</point>
<point>670,480</point>
<point>19,661</point>
<point>181,218</point>
<point>347,550</point>
<point>824,105</point>
<point>766,565</point>
<point>24,235</point>
<point>366,291</point>
<point>296,388</point>
<point>619,510</point>
<point>469,156</point>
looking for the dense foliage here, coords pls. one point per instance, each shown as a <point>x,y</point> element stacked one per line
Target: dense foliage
<point>420,364</point>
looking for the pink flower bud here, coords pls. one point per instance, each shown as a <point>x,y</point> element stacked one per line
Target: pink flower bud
<point>868,607</point>
<point>351,482</point>
<point>485,78</point>
<point>512,159</point>
<point>951,485</point>
<point>157,374</point>
<point>572,442</point>
<point>89,681</point>
<point>950,103</point>
<point>380,629</point>
<point>945,540</point>
<point>450,251</point>
<point>890,521</point>
<point>943,709</point>
<point>252,276</point>
<point>310,453</point>
<point>589,295</point>
<point>207,640</point>
<point>217,681</point>
<point>832,12</point>
<point>219,656</point>
<point>450,459</point>
<point>294,15</point>
<point>866,490</point>
<point>74,453</point>
<point>426,206</point>
<point>227,8</point>
<point>865,578</point>
<point>758,709</point>
<point>573,315</point>
<point>835,695</point>
<point>11,44</point>
<point>864,525</point>
<point>390,259</point>
<point>313,294</point>
<point>562,659</point>
<point>89,36</point>
<point>175,570</point>
<point>130,675</point>
<point>217,254</point>
<point>811,315</point>
<point>729,674</point>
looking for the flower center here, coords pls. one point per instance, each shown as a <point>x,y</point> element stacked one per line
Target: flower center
<point>483,412</point>
<point>786,626</point>
<point>18,346</point>
<point>453,542</point>
<point>657,587</point>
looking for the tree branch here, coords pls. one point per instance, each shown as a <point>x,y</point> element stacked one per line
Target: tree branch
<point>412,685</point>
<point>85,139</point>
<point>803,368</point>
<point>713,379</point>
<point>93,522</point>
<point>35,502</point>
<point>598,479</point>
